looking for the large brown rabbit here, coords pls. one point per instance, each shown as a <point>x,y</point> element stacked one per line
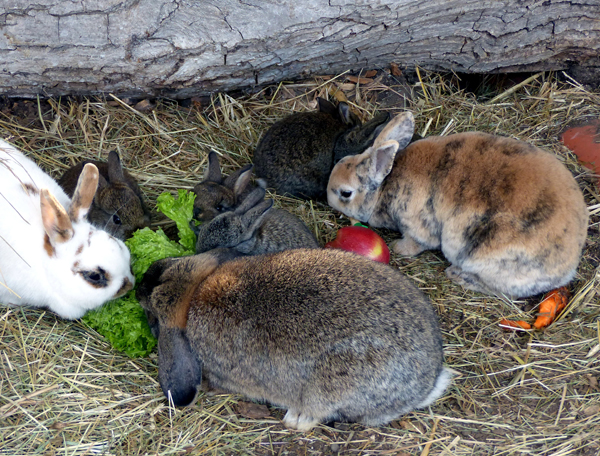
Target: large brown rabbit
<point>298,329</point>
<point>508,216</point>
<point>119,207</point>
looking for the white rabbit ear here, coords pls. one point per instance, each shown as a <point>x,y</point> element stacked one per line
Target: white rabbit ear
<point>382,160</point>
<point>213,170</point>
<point>84,192</point>
<point>401,129</point>
<point>57,223</point>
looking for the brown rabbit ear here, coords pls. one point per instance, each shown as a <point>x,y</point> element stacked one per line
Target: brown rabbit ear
<point>115,170</point>
<point>400,129</point>
<point>213,170</point>
<point>84,192</point>
<point>382,160</point>
<point>325,106</point>
<point>179,369</point>
<point>55,219</point>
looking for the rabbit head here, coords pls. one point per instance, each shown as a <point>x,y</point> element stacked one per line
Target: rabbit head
<point>118,206</point>
<point>355,181</point>
<point>215,195</point>
<point>234,228</point>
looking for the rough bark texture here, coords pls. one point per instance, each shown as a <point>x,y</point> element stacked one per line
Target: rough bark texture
<point>182,48</point>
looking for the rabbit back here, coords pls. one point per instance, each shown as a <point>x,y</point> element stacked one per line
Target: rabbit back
<point>74,268</point>
<point>295,156</point>
<point>508,216</point>
<point>119,206</point>
<point>297,329</point>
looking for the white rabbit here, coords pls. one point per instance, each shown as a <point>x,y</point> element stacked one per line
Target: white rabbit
<point>52,257</point>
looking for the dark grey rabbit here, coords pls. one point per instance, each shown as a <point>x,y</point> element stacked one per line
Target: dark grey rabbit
<point>215,195</point>
<point>296,155</point>
<point>119,207</point>
<point>297,329</point>
<point>254,228</point>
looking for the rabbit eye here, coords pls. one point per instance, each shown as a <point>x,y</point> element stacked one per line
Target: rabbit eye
<point>221,208</point>
<point>345,193</point>
<point>96,278</point>
<point>116,219</point>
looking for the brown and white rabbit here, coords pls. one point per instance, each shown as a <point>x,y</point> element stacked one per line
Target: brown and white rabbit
<point>509,216</point>
<point>118,206</point>
<point>297,329</point>
<point>296,155</point>
<point>50,256</point>
<point>254,228</point>
<point>215,195</point>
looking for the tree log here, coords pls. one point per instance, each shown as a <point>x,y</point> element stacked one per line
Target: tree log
<point>182,48</point>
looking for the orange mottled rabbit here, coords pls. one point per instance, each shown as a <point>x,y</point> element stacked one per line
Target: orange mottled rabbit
<point>508,216</point>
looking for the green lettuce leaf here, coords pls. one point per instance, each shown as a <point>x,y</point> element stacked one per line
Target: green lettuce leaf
<point>181,211</point>
<point>123,321</point>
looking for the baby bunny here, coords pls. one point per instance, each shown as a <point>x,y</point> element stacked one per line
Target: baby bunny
<point>297,329</point>
<point>507,215</point>
<point>215,195</point>
<point>255,228</point>
<point>118,206</point>
<point>49,256</point>
<point>296,154</point>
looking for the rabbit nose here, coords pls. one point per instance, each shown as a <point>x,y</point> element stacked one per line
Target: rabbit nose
<point>125,287</point>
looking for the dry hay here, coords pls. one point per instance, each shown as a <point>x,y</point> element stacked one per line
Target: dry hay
<point>63,390</point>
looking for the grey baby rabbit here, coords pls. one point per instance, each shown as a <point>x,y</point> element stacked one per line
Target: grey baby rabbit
<point>254,228</point>
<point>119,207</point>
<point>296,155</point>
<point>297,329</point>
<point>508,216</point>
<point>215,195</point>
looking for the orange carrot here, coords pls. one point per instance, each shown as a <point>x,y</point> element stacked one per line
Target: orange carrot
<point>515,325</point>
<point>551,306</point>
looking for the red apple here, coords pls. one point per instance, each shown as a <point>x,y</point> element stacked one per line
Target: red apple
<point>363,241</point>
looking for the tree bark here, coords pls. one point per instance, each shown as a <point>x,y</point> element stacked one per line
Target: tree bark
<point>182,48</point>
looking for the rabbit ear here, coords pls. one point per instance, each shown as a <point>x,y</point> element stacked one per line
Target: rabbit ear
<point>382,160</point>
<point>253,219</point>
<point>239,180</point>
<point>255,197</point>
<point>213,170</point>
<point>347,115</point>
<point>84,192</point>
<point>56,221</point>
<point>400,129</point>
<point>179,369</point>
<point>115,170</point>
<point>325,106</point>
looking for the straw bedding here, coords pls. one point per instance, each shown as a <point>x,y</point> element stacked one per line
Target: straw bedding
<point>64,391</point>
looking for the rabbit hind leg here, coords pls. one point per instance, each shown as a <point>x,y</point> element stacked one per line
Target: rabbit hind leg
<point>467,280</point>
<point>295,419</point>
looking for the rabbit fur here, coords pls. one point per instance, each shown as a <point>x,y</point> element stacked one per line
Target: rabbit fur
<point>297,329</point>
<point>215,195</point>
<point>119,205</point>
<point>254,228</point>
<point>509,216</point>
<point>50,256</point>
<point>296,155</point>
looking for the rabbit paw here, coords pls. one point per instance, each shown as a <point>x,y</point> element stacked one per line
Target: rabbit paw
<point>299,421</point>
<point>407,246</point>
<point>467,280</point>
